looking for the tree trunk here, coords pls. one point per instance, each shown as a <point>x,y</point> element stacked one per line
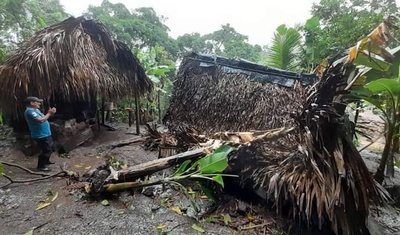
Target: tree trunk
<point>148,168</point>
<point>379,175</point>
<point>390,164</point>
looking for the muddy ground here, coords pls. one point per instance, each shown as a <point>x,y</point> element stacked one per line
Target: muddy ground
<point>154,210</point>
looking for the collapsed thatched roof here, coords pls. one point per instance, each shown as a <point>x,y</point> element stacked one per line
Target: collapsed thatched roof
<point>323,183</point>
<point>71,60</point>
<point>217,94</point>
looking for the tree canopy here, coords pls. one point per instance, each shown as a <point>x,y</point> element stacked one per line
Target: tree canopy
<point>344,22</point>
<point>139,28</point>
<point>225,42</point>
<point>20,19</point>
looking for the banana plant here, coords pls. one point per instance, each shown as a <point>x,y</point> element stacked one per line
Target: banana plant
<point>384,94</point>
<point>158,69</point>
<point>210,168</point>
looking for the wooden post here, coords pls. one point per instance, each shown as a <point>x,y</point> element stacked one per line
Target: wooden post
<point>130,118</point>
<point>159,106</point>
<point>98,119</point>
<point>102,112</point>
<point>137,113</point>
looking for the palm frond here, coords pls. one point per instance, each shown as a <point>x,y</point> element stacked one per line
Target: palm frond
<point>285,45</point>
<point>325,182</point>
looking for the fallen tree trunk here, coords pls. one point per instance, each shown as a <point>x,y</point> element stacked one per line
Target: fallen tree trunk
<point>105,175</point>
<point>151,167</point>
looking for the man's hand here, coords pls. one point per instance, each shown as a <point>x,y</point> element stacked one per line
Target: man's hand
<point>52,111</point>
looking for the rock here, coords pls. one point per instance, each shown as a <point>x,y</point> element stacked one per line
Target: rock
<point>148,191</point>
<point>241,208</point>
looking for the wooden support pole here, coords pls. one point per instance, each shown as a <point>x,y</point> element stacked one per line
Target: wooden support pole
<point>137,110</point>
<point>102,111</point>
<point>159,106</point>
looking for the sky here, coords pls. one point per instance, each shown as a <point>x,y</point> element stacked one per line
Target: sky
<point>257,19</point>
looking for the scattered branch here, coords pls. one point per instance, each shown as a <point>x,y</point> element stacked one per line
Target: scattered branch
<point>25,169</point>
<point>44,175</point>
<point>13,181</point>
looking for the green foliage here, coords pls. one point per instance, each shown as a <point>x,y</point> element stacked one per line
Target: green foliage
<point>160,70</point>
<point>384,94</point>
<point>2,54</point>
<point>310,52</point>
<point>284,49</point>
<point>215,162</point>
<point>139,28</point>
<point>1,169</point>
<point>224,42</point>
<point>209,167</point>
<point>21,18</point>
<point>343,22</point>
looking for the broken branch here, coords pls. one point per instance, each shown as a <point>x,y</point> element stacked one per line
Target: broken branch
<point>25,169</point>
<point>13,181</point>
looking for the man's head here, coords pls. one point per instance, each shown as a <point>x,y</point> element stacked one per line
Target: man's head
<point>33,101</point>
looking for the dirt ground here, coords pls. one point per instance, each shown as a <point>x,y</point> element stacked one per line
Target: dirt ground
<point>154,210</point>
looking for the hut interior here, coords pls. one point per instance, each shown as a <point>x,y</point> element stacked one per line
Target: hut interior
<point>70,65</point>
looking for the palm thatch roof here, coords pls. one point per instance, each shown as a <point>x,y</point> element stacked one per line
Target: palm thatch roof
<point>71,60</point>
<point>323,182</point>
<point>214,94</point>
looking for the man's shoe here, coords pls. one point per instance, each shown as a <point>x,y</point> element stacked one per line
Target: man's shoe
<point>50,163</point>
<point>43,169</point>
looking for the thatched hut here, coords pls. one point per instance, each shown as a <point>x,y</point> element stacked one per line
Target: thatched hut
<point>213,93</point>
<point>70,64</point>
<point>319,178</point>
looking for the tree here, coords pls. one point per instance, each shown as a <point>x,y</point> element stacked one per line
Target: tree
<point>343,22</point>
<point>224,42</point>
<point>21,18</point>
<point>159,69</point>
<point>193,43</point>
<point>284,50</point>
<point>139,28</point>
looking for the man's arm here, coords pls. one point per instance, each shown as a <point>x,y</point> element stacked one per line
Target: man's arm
<point>44,118</point>
<point>50,113</point>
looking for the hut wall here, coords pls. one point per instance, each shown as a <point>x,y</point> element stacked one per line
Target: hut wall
<point>212,99</point>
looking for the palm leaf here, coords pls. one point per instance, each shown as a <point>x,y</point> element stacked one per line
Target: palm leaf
<point>285,45</point>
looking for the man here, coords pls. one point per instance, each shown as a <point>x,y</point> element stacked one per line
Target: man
<point>39,127</point>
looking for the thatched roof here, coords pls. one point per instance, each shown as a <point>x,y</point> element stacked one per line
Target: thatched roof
<point>213,94</point>
<point>323,183</point>
<point>71,60</point>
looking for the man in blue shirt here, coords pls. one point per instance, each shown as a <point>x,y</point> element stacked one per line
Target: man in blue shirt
<point>39,127</point>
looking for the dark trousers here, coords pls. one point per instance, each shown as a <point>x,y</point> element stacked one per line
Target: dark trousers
<point>46,148</point>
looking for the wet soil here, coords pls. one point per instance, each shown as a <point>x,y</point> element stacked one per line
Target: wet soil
<point>155,210</point>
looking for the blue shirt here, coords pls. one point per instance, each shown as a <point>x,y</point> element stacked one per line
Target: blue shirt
<point>38,129</point>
